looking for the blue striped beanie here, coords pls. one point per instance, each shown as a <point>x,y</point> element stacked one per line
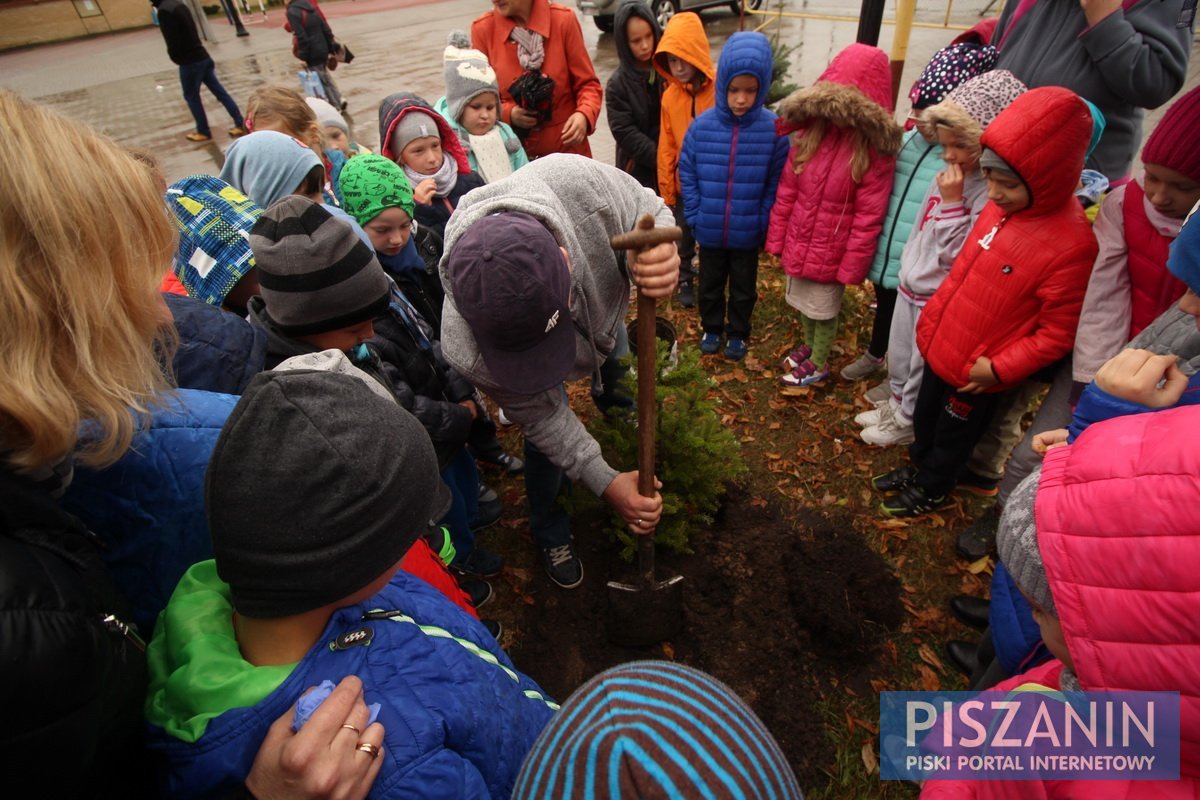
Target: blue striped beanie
<point>655,729</point>
<point>214,221</point>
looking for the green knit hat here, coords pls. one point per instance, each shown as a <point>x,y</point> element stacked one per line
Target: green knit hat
<point>372,184</point>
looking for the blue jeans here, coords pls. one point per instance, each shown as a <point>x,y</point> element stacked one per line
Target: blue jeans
<point>191,76</point>
<point>544,481</point>
<point>462,477</point>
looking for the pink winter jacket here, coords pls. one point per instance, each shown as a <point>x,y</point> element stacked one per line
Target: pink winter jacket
<point>1120,537</point>
<point>824,226</point>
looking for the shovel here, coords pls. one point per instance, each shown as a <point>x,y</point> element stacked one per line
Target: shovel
<point>647,611</point>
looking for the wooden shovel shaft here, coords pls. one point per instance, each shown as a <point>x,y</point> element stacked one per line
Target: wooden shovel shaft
<point>647,358</point>
<point>647,371</point>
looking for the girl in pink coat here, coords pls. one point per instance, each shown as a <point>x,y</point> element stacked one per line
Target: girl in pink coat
<point>1105,544</point>
<point>832,197</point>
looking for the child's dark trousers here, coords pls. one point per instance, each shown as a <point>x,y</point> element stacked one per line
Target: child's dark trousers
<point>947,424</point>
<point>739,270</point>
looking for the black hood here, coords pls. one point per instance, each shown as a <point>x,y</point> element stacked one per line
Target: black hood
<point>627,9</point>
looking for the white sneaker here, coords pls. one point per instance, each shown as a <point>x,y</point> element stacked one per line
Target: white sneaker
<point>864,366</point>
<point>887,433</point>
<point>875,416</point>
<point>877,395</point>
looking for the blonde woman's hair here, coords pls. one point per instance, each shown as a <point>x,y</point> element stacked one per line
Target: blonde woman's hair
<point>85,243</point>
<point>281,109</point>
<point>808,140</point>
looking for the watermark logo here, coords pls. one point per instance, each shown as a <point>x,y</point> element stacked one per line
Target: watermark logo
<point>1029,734</point>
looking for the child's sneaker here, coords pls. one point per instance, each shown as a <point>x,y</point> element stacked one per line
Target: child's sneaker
<point>888,432</point>
<point>895,481</point>
<point>877,395</point>
<point>735,349</point>
<point>912,502</point>
<point>864,366</point>
<point>875,416</point>
<point>978,484</point>
<point>801,353</point>
<point>805,374</point>
<point>710,343</point>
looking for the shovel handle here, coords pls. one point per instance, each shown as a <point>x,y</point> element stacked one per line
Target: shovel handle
<point>647,370</point>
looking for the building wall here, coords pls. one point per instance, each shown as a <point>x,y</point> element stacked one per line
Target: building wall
<point>52,20</point>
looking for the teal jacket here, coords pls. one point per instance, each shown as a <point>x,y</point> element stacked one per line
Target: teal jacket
<point>917,165</point>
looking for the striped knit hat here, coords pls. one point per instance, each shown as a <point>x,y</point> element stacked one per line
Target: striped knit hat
<point>315,274</point>
<point>655,729</point>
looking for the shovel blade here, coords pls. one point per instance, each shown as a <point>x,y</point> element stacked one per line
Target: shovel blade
<point>644,614</point>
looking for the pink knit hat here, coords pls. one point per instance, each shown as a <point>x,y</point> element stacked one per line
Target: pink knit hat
<point>1173,142</point>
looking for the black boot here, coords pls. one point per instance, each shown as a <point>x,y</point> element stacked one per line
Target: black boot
<point>963,656</point>
<point>971,611</point>
<point>979,538</point>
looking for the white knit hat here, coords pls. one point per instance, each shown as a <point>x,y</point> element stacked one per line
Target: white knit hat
<point>467,72</point>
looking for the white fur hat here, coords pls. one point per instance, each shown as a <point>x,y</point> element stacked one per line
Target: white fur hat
<point>467,73</point>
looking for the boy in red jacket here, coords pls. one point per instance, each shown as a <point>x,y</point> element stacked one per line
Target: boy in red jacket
<point>1011,303</point>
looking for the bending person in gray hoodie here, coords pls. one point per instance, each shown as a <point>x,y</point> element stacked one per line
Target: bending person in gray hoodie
<point>536,296</point>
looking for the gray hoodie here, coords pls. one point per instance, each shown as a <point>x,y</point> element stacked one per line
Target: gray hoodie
<point>1133,59</point>
<point>583,203</point>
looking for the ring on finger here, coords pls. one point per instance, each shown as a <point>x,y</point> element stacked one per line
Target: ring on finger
<point>350,727</point>
<point>368,748</point>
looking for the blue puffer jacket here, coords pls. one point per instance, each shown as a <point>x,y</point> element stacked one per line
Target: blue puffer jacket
<point>218,351</point>
<point>458,718</point>
<point>917,165</point>
<point>729,166</point>
<point>148,508</point>
<point>1016,638</point>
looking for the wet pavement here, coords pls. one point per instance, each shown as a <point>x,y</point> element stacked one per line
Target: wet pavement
<point>124,85</point>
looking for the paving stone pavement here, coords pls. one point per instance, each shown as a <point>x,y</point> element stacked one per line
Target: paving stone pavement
<point>124,85</point>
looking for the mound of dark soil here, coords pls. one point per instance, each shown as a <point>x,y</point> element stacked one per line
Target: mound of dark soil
<point>776,606</point>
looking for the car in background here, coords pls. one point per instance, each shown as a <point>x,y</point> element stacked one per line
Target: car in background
<point>602,11</point>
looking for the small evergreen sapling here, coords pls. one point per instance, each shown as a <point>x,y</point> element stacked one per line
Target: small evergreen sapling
<point>695,455</point>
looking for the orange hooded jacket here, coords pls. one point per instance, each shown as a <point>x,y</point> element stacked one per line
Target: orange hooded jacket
<point>683,38</point>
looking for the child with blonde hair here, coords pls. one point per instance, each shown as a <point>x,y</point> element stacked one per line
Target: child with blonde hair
<point>277,108</point>
<point>832,197</point>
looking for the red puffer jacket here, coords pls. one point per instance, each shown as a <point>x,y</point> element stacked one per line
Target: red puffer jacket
<point>1016,289</point>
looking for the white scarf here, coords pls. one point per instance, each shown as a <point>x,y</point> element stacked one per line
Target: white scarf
<point>491,156</point>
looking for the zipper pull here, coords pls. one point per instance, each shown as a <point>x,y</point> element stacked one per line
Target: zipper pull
<point>114,625</point>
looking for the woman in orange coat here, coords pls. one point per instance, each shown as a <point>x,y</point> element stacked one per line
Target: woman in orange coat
<point>540,37</point>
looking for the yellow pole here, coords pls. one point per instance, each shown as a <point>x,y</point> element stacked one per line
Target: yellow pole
<point>905,9</point>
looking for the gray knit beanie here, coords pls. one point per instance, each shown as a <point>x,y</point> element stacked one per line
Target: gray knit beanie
<point>1016,539</point>
<point>316,487</point>
<point>991,160</point>
<point>415,124</point>
<point>316,274</point>
<point>468,74</point>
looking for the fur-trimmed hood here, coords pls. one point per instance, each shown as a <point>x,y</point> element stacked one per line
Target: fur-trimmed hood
<point>972,106</point>
<point>854,91</point>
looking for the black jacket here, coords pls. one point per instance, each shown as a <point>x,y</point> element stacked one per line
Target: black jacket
<point>71,686</point>
<point>313,40</point>
<point>634,99</point>
<point>179,30</point>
